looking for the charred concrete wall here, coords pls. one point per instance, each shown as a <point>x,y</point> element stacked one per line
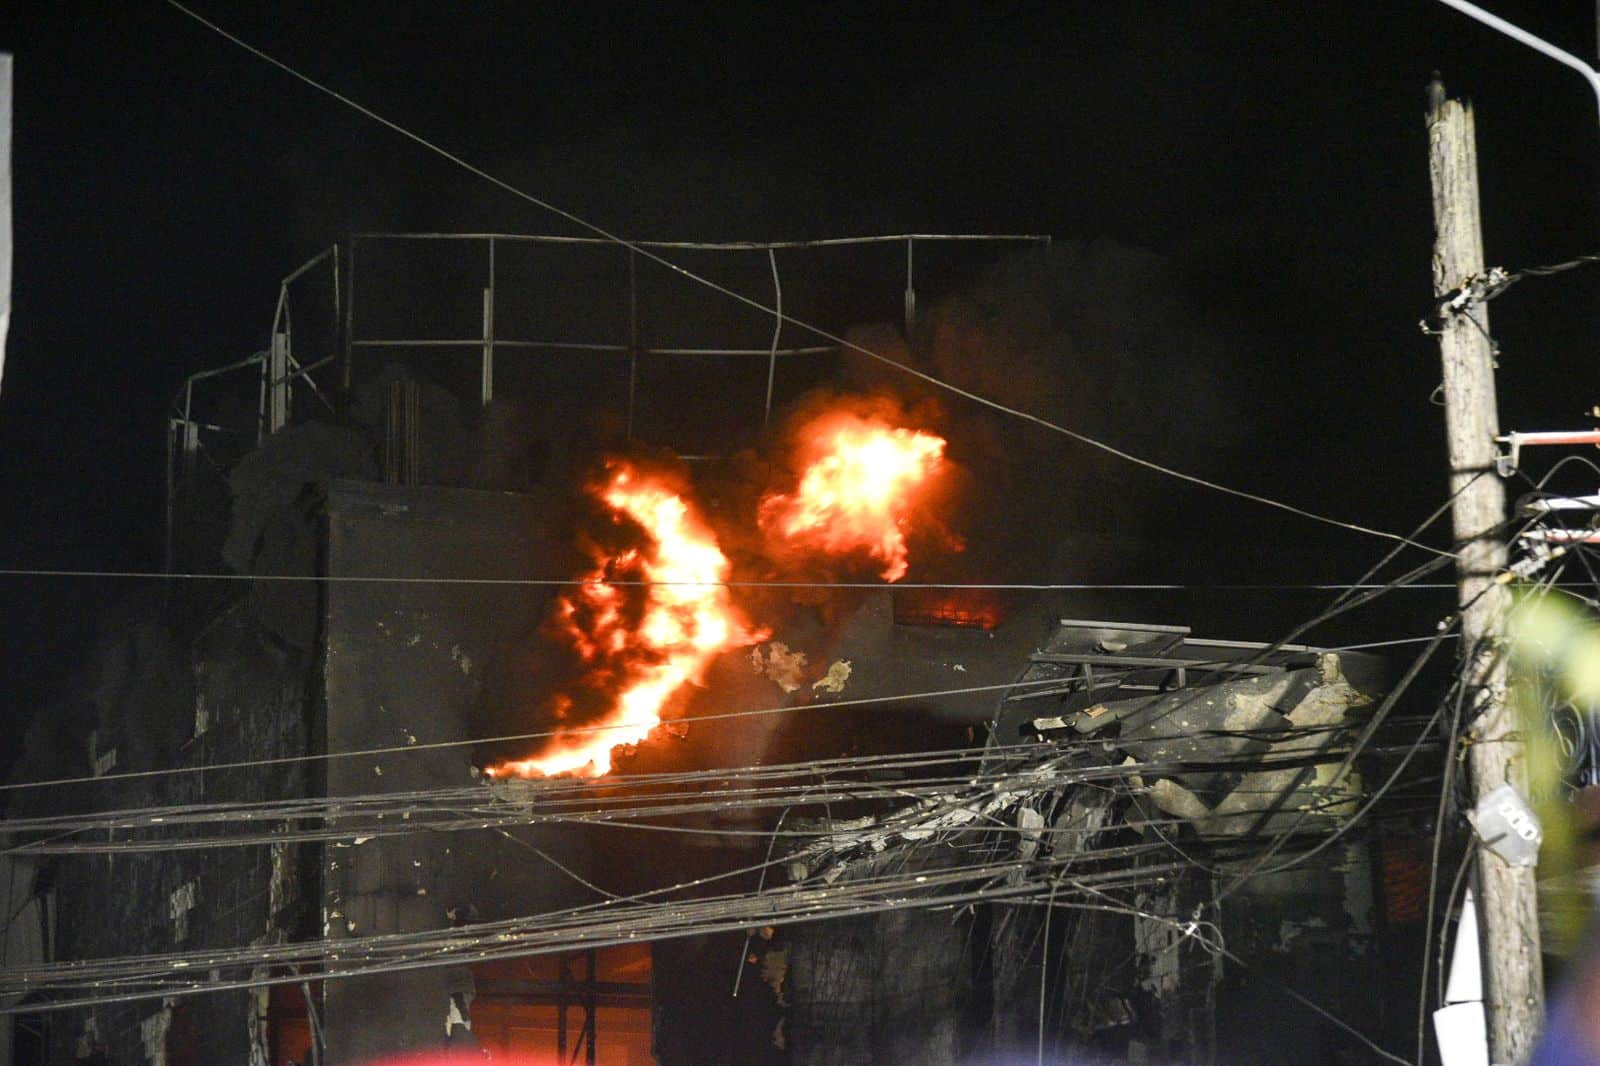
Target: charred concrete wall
<point>895,987</point>
<point>363,665</point>
<point>405,664</point>
<point>1315,930</point>
<point>232,693</point>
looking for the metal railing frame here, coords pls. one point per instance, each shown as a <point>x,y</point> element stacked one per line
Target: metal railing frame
<point>487,342</point>
<point>280,370</point>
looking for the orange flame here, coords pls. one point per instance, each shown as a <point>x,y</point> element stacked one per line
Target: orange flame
<point>686,620</point>
<point>858,489</point>
<point>964,608</point>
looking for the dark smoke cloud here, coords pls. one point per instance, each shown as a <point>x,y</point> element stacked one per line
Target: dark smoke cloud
<point>1096,336</point>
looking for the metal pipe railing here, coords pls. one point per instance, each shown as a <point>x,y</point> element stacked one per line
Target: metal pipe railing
<point>279,369</point>
<point>713,246</point>
<point>489,339</point>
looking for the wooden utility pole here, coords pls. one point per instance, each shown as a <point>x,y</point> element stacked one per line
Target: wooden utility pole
<point>1513,982</point>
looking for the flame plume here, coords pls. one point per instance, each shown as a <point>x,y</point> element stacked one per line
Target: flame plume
<point>641,645</point>
<point>858,489</point>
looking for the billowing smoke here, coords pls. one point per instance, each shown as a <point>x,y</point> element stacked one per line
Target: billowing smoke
<point>880,476</point>
<point>1095,336</point>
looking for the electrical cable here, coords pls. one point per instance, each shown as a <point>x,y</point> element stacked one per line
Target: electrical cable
<point>285,760</point>
<point>1340,605</point>
<point>590,885</point>
<point>928,378</point>
<point>1451,755</point>
<point>1044,965</point>
<point>157,976</point>
<point>574,582</point>
<point>777,313</point>
<point>772,842</point>
<point>1467,855</point>
<point>578,730</point>
<point>546,922</point>
<point>479,809</point>
<point>1349,823</point>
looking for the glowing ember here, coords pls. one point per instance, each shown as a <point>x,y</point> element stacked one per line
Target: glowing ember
<point>963,608</point>
<point>642,644</point>
<point>857,491</point>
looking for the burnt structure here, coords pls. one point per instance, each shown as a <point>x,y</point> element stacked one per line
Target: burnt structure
<point>1161,764</point>
<point>350,461</point>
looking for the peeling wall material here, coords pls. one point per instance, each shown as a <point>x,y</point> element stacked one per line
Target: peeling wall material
<point>153,1033</point>
<point>179,904</point>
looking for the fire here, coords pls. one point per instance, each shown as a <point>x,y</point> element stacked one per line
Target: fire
<point>642,644</point>
<point>967,608</point>
<point>858,489</point>
<point>649,616</point>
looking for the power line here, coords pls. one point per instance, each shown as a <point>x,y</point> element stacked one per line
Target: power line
<point>1481,288</point>
<point>777,313</point>
<point>363,818</point>
<point>1368,646</point>
<point>594,925</point>
<point>1343,605</point>
<point>597,924</point>
<point>1357,748</point>
<point>410,952</point>
<point>573,582</point>
<point>1446,785</point>
<point>835,779</point>
<point>394,749</point>
<point>1362,584</point>
<point>576,730</point>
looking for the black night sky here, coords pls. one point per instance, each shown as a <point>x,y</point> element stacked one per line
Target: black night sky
<point>1275,152</point>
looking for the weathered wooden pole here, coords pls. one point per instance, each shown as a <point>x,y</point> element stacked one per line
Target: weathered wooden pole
<point>1513,982</point>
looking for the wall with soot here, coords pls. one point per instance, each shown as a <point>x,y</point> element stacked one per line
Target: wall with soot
<point>149,699</point>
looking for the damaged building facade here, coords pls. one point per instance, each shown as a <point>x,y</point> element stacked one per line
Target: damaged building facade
<point>1107,846</point>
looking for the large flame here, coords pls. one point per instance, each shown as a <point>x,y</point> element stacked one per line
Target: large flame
<point>857,490</point>
<point>684,618</point>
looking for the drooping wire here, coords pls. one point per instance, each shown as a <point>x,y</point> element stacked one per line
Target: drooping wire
<point>395,749</point>
<point>635,801</point>
<point>1451,756</point>
<point>777,313</point>
<point>574,582</point>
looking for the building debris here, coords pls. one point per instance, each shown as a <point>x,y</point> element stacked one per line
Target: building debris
<point>780,665</point>
<point>179,904</point>
<point>153,1034</point>
<point>834,680</point>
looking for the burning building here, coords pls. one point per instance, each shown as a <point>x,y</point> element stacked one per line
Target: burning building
<point>634,730</point>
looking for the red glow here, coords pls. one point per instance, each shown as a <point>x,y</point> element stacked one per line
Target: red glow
<point>962,608</point>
